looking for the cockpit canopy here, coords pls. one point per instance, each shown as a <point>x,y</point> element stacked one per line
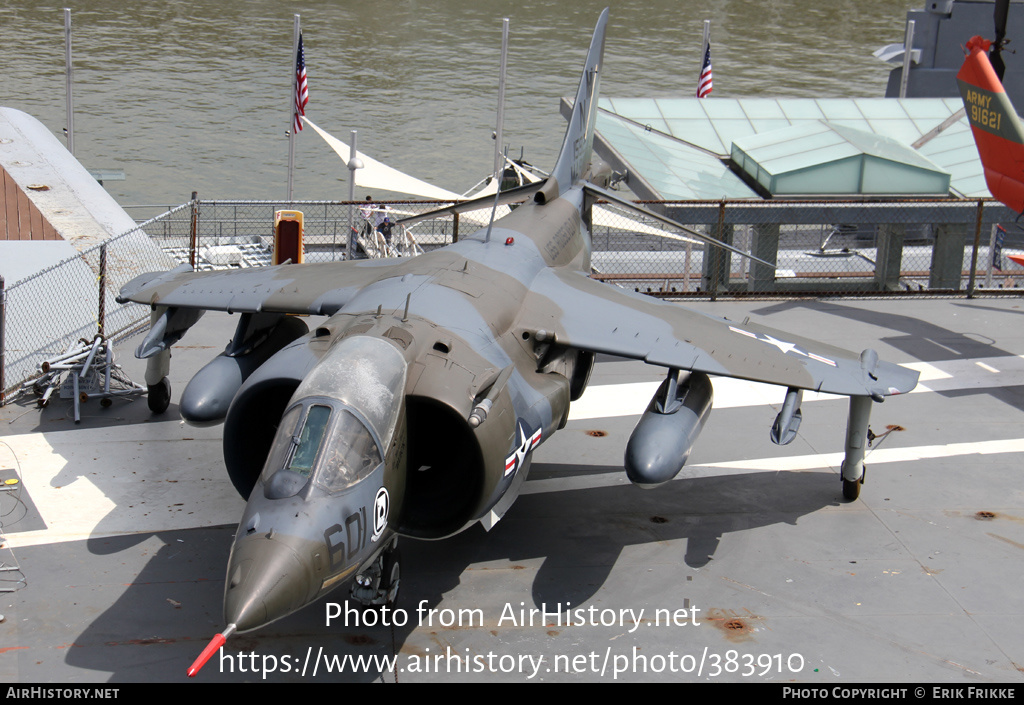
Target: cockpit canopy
<point>322,442</point>
<point>340,420</point>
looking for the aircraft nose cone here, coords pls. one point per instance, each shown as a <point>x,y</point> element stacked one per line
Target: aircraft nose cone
<point>266,580</point>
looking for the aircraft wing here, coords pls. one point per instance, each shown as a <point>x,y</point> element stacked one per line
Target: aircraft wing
<point>590,315</point>
<point>318,288</point>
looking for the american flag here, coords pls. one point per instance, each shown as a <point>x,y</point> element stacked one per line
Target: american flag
<point>301,89</point>
<point>704,83</point>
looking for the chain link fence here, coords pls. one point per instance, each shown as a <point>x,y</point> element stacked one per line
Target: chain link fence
<point>827,248</point>
<point>51,311</point>
<point>241,233</point>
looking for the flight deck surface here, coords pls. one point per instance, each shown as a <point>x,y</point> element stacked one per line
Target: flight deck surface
<point>748,567</point>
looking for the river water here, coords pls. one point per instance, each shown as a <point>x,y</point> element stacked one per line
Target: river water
<point>194,95</point>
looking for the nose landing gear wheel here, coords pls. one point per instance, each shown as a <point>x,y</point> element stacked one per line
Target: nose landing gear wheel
<point>378,584</point>
<point>392,574</point>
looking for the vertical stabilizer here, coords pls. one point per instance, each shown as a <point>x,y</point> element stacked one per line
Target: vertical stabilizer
<point>997,130</point>
<point>574,158</point>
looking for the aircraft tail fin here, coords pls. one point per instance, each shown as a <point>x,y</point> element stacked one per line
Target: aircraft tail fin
<point>998,132</point>
<point>577,147</point>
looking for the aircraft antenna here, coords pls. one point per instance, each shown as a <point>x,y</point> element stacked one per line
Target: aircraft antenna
<point>497,195</point>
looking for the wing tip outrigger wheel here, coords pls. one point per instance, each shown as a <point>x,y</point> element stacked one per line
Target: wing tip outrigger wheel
<point>159,396</point>
<point>853,469</point>
<point>851,488</point>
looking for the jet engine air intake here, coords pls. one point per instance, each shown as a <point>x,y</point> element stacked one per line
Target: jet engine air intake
<point>446,470</point>
<point>256,410</point>
<point>661,442</point>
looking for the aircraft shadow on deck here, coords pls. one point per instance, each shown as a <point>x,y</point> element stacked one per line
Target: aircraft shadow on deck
<point>919,337</point>
<point>925,341</point>
<point>161,621</point>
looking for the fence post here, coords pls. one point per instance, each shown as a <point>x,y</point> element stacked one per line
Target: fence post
<point>765,246</point>
<point>715,257</point>
<point>455,227</point>
<point>3,325</point>
<point>889,256</point>
<point>193,243</point>
<point>974,254</point>
<point>101,315</point>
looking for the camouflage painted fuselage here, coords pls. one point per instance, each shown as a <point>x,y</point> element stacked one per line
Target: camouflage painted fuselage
<point>448,370</point>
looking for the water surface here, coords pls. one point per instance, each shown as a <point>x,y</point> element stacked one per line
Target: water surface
<point>194,95</point>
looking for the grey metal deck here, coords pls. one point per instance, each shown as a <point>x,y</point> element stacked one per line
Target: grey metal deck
<point>123,525</point>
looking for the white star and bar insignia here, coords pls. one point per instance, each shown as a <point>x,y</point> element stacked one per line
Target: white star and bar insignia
<point>783,345</point>
<point>528,440</point>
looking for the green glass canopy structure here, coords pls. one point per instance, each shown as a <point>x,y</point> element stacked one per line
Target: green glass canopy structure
<point>825,158</point>
<point>751,148</point>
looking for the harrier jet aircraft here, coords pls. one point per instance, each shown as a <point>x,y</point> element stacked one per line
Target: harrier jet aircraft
<point>415,407</point>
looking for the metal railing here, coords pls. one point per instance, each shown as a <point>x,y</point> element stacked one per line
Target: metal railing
<point>825,248</point>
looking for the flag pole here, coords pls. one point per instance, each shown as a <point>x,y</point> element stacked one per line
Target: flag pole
<point>704,75</point>
<point>707,40</point>
<point>291,109</point>
<point>354,162</point>
<point>68,81</point>
<point>499,164</point>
